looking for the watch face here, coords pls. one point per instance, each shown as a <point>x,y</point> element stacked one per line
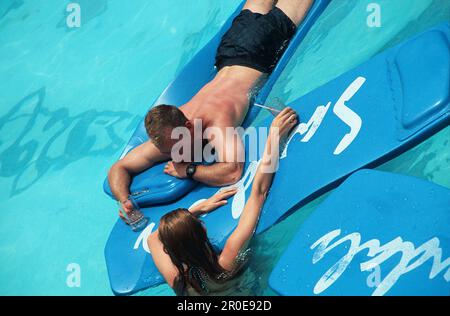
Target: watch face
<point>190,170</point>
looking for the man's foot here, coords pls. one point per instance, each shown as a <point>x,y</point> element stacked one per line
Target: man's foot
<point>259,6</point>
<point>296,10</point>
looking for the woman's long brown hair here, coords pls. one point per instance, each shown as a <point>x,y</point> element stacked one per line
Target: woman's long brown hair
<point>185,240</point>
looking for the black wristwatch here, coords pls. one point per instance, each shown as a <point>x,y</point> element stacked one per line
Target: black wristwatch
<point>190,170</point>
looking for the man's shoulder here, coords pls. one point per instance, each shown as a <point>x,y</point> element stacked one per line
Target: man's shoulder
<point>148,150</point>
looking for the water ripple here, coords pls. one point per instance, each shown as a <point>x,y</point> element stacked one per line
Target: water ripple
<point>40,139</point>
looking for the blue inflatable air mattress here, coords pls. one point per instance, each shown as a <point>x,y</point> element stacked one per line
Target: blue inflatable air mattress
<point>362,118</point>
<point>378,234</point>
<point>130,267</point>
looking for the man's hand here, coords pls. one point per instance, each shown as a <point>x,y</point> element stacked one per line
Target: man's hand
<point>176,169</point>
<point>127,206</point>
<point>139,159</point>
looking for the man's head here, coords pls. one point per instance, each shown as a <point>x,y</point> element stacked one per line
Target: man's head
<point>159,123</point>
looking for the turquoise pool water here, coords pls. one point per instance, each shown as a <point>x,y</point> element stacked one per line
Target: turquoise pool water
<point>70,99</point>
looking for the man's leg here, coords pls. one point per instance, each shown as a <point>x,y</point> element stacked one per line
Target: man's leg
<point>296,10</point>
<point>259,6</point>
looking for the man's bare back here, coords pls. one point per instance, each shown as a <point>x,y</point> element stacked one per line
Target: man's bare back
<point>224,101</point>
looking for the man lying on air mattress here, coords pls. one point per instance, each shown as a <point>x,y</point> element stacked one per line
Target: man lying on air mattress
<point>249,50</point>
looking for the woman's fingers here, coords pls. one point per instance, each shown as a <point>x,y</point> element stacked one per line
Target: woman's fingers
<point>289,120</point>
<point>292,119</point>
<point>221,203</point>
<point>223,195</point>
<point>285,113</point>
<point>287,116</point>
<point>286,122</point>
<point>227,193</point>
<point>280,115</point>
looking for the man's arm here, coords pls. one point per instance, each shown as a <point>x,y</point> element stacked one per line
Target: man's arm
<point>220,173</point>
<point>140,158</point>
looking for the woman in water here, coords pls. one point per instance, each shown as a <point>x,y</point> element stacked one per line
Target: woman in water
<point>180,246</point>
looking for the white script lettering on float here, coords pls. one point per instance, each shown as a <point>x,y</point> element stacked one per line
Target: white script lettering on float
<point>341,110</point>
<point>143,236</point>
<point>411,258</point>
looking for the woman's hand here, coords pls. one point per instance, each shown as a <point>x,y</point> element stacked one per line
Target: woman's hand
<point>213,202</point>
<point>283,122</point>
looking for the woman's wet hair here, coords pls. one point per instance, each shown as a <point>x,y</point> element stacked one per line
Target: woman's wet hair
<point>185,241</point>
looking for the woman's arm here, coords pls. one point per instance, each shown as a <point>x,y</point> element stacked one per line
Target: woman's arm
<point>280,127</point>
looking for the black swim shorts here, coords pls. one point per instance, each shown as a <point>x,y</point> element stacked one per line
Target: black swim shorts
<point>256,40</point>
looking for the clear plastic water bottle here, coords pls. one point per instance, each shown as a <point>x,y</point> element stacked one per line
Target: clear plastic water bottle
<point>134,218</point>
